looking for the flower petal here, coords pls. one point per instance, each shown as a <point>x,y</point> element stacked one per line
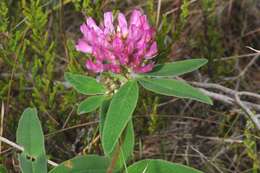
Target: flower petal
<point>122,23</point>
<point>135,18</point>
<point>84,29</point>
<point>82,46</point>
<point>108,23</point>
<point>92,24</point>
<point>115,68</point>
<point>123,59</point>
<point>131,45</point>
<point>134,34</point>
<point>152,51</point>
<point>144,22</point>
<point>118,44</point>
<point>144,69</point>
<point>96,68</point>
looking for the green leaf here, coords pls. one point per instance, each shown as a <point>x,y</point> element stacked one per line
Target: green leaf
<point>90,104</point>
<point>3,169</point>
<point>25,164</point>
<point>83,164</point>
<point>84,84</point>
<point>177,68</point>
<point>172,87</point>
<point>40,164</point>
<point>29,133</point>
<point>127,147</point>
<point>159,166</point>
<point>35,165</point>
<point>119,113</point>
<point>102,115</point>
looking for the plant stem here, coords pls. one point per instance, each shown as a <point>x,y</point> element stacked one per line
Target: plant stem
<point>114,159</point>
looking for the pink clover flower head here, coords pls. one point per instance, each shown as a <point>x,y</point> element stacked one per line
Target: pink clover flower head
<point>118,44</point>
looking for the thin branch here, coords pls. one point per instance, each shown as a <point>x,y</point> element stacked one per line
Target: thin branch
<point>2,124</point>
<point>232,97</point>
<point>209,161</point>
<point>214,86</point>
<point>21,148</point>
<point>72,127</point>
<point>219,97</point>
<point>158,12</point>
<point>243,72</point>
<point>228,95</point>
<point>248,112</point>
<point>235,57</point>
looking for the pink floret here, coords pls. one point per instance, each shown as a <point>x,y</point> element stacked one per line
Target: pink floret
<point>124,45</point>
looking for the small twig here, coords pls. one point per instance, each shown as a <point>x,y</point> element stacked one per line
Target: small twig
<point>176,9</point>
<point>62,31</point>
<point>242,73</point>
<point>88,147</point>
<point>11,143</point>
<point>214,86</point>
<point>21,148</point>
<point>248,112</point>
<point>72,127</point>
<point>203,156</point>
<point>226,140</point>
<point>229,95</point>
<point>2,124</point>
<point>52,118</point>
<point>233,99</point>
<point>68,118</point>
<point>255,50</point>
<point>219,97</point>
<point>168,102</point>
<point>158,12</point>
<point>235,57</point>
<point>10,83</point>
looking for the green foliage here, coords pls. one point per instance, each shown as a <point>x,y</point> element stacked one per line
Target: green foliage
<point>153,124</point>
<point>184,11</point>
<point>251,147</point>
<point>90,104</point>
<point>3,169</point>
<point>151,12</point>
<point>3,16</point>
<point>172,87</point>
<point>125,144</point>
<point>88,7</point>
<point>159,166</point>
<point>83,164</point>
<point>102,114</point>
<point>210,41</point>
<point>39,60</point>
<point>29,133</point>
<point>177,68</point>
<point>30,137</point>
<point>119,114</point>
<point>33,165</point>
<point>36,20</point>
<point>163,41</point>
<point>85,85</point>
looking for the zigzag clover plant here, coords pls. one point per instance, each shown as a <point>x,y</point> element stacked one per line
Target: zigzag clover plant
<point>122,54</point>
